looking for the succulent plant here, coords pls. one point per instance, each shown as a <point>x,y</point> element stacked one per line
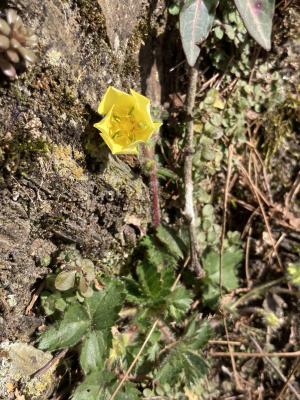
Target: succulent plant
<point>15,43</point>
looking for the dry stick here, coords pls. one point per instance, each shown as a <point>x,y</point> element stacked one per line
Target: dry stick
<point>254,355</point>
<point>225,202</point>
<point>50,363</point>
<point>258,197</point>
<point>293,371</point>
<point>270,362</point>
<point>127,373</point>
<point>231,352</point>
<point>136,358</point>
<point>224,222</point>
<point>247,256</point>
<point>266,180</point>
<point>293,192</point>
<point>34,298</point>
<point>189,210</point>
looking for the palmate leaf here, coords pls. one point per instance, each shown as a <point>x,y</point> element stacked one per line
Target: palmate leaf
<point>210,284</point>
<point>257,16</point>
<point>179,302</point>
<point>190,365</point>
<point>185,360</point>
<point>98,312</point>
<point>196,19</point>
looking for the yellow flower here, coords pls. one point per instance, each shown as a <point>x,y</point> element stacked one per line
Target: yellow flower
<point>127,121</point>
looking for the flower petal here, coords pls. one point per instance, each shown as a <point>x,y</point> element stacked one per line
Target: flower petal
<point>104,126</point>
<point>117,98</point>
<point>142,107</point>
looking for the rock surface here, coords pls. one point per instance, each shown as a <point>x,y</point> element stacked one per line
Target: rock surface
<point>59,185</point>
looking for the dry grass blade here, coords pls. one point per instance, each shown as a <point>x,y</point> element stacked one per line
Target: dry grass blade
<point>257,194</point>
<point>293,371</point>
<point>254,354</point>
<point>231,354</point>
<point>270,362</point>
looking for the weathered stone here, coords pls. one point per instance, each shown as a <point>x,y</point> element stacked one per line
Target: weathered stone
<point>18,361</point>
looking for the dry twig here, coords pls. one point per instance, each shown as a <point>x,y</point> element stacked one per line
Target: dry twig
<point>189,210</point>
<point>270,362</point>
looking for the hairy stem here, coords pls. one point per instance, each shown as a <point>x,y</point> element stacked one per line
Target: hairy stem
<point>149,155</point>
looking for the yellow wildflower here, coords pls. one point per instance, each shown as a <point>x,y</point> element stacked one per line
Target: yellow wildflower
<point>127,120</point>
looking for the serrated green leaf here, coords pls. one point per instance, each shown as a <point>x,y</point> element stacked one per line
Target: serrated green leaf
<point>133,293</point>
<point>100,386</point>
<point>93,352</point>
<point>257,16</point>
<point>157,253</point>
<point>149,279</point>
<point>169,239</point>
<point>189,365</point>
<point>179,302</point>
<point>95,387</point>
<point>104,306</point>
<point>198,334</point>
<point>68,332</point>
<point>196,18</point>
<point>185,360</point>
<point>65,280</point>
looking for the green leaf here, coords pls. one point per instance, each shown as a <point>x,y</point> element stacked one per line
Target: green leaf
<point>100,386</point>
<point>257,16</point>
<point>95,386</point>
<point>169,239</point>
<point>174,9</point>
<point>68,332</point>
<point>93,352</point>
<point>231,259</point>
<point>196,19</point>
<point>198,334</point>
<point>65,280</point>
<point>185,360</point>
<point>179,302</point>
<point>179,362</point>
<point>149,279</point>
<point>104,306</point>
<point>294,273</point>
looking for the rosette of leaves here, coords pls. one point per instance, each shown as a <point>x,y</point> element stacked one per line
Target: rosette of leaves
<point>77,271</point>
<point>15,43</point>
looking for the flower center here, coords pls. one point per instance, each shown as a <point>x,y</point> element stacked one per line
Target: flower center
<point>124,128</point>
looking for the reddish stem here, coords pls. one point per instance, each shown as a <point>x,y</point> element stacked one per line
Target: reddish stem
<point>149,156</point>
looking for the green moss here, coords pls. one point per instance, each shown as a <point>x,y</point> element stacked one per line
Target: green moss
<point>18,152</point>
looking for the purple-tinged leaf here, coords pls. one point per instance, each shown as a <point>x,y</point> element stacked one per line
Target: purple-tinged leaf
<point>257,16</point>
<point>196,19</point>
